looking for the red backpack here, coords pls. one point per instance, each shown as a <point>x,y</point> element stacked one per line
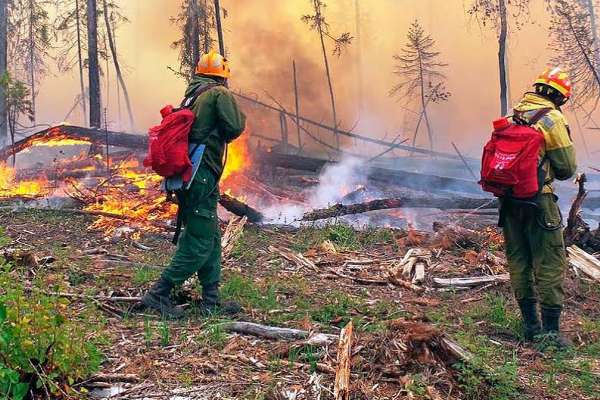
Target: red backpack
<point>168,142</point>
<point>510,164</point>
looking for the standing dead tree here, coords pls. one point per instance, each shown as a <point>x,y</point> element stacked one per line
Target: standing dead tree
<point>496,13</point>
<point>109,20</point>
<point>318,23</point>
<point>572,39</point>
<point>195,20</point>
<point>3,67</point>
<point>418,67</point>
<point>93,66</point>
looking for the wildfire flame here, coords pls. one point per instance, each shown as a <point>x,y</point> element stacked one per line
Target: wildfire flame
<point>11,187</point>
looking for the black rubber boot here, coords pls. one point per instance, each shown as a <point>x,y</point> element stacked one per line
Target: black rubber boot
<point>531,322</point>
<point>158,298</point>
<point>551,336</point>
<point>211,305</point>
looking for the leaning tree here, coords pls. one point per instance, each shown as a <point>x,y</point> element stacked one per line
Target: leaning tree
<point>419,69</point>
<point>318,23</point>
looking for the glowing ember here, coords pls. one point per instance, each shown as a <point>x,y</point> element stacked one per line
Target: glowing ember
<point>10,187</point>
<point>60,142</point>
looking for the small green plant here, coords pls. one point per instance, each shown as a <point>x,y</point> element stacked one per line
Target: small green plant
<point>417,386</point>
<point>499,313</point>
<point>43,347</point>
<point>213,336</point>
<point>144,274</point>
<point>338,305</point>
<point>343,235</point>
<point>147,332</point>
<point>165,333</point>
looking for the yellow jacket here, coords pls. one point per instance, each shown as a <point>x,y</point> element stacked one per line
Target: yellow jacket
<point>559,153</point>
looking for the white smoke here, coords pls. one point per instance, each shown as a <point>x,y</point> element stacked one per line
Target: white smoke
<point>335,181</point>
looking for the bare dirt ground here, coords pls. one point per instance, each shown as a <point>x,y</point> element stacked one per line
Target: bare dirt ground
<point>346,279</point>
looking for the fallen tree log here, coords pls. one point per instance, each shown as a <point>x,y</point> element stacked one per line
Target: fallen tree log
<point>85,135</point>
<point>470,282</point>
<point>240,208</point>
<point>585,262</point>
<point>339,210</point>
<point>414,180</point>
<point>274,332</point>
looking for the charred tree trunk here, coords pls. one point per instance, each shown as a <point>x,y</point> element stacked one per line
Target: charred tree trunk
<point>32,57</point>
<point>80,61</point>
<point>594,28</point>
<point>338,210</point>
<point>193,16</point>
<point>93,67</point>
<point>3,69</point>
<point>219,27</point>
<point>113,51</point>
<point>502,57</point>
<point>331,93</point>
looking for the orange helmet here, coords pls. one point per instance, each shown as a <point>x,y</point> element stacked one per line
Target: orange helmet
<point>556,78</point>
<point>213,64</point>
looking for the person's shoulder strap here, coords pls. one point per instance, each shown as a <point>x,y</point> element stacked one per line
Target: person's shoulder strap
<point>190,100</point>
<point>519,116</point>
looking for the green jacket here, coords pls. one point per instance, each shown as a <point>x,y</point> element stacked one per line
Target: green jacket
<point>218,122</point>
<point>560,161</point>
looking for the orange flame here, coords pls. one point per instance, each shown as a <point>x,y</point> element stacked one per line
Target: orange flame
<point>10,187</point>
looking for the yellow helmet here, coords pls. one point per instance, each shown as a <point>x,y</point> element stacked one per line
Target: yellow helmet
<point>213,64</point>
<point>556,78</point>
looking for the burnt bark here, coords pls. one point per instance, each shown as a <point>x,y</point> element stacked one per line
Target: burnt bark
<point>240,208</point>
<point>3,68</point>
<point>91,135</point>
<point>338,210</point>
<point>219,27</point>
<point>502,57</point>
<point>93,67</point>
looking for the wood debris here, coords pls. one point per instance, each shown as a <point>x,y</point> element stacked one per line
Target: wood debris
<point>582,261</point>
<point>470,281</point>
<point>341,390</point>
<point>233,231</point>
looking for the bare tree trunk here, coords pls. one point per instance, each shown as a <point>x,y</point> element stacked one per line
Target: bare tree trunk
<point>297,101</point>
<point>3,69</point>
<point>219,27</point>
<point>502,57</point>
<point>328,73</point>
<point>594,28</point>
<point>359,66</point>
<point>93,68</point>
<point>193,16</point>
<point>80,60</point>
<point>32,57</point>
<point>113,51</point>
<point>424,106</point>
<point>206,28</point>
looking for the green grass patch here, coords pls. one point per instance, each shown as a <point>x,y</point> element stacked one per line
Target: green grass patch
<point>144,274</point>
<point>499,313</point>
<point>245,248</point>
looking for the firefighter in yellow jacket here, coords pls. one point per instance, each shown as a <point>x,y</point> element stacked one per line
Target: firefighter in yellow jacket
<point>533,233</point>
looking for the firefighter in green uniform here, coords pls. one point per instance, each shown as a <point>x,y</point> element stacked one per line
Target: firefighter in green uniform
<point>218,122</point>
<point>533,234</point>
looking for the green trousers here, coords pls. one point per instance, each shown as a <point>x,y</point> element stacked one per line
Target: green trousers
<point>535,250</point>
<point>199,246</point>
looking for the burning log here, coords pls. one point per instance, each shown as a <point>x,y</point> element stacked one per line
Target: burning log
<point>338,210</point>
<point>84,135</point>
<point>414,180</point>
<point>240,208</point>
